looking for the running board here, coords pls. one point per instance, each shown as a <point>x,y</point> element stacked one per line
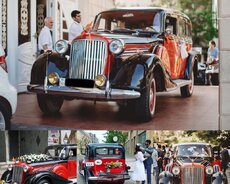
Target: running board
<point>179,83</point>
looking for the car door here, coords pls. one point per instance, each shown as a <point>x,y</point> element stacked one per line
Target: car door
<point>171,43</point>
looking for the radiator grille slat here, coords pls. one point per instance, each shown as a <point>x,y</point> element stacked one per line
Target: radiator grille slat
<point>192,175</point>
<point>17,174</point>
<point>87,59</point>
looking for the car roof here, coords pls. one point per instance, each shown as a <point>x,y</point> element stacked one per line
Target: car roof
<point>166,10</point>
<point>191,143</point>
<point>105,145</point>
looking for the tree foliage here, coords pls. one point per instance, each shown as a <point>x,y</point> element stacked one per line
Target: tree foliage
<point>203,20</point>
<point>122,137</point>
<point>220,138</point>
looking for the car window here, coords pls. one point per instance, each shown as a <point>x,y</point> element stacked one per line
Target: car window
<point>193,150</point>
<point>108,151</point>
<point>131,20</point>
<point>171,24</point>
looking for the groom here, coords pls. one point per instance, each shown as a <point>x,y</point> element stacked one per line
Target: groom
<point>148,161</point>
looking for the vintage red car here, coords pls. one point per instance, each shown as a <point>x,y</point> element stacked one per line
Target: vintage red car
<point>57,165</point>
<point>193,163</point>
<point>130,54</point>
<point>104,162</point>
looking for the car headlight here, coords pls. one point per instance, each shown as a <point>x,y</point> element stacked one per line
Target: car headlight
<point>176,170</point>
<point>10,167</point>
<point>53,78</point>
<point>61,46</point>
<point>100,81</point>
<point>116,46</point>
<point>25,168</point>
<point>209,170</point>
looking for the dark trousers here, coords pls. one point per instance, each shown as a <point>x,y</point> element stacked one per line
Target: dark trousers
<point>148,171</point>
<point>156,173</point>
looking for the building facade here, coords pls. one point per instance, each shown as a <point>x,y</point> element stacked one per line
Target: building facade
<point>21,22</point>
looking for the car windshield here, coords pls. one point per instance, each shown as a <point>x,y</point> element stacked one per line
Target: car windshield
<point>109,152</point>
<point>128,20</point>
<point>193,150</point>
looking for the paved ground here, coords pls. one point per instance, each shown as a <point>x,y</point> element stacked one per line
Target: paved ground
<point>199,112</point>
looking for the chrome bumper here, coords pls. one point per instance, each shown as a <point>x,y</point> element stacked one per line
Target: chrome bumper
<point>109,178</point>
<point>85,93</point>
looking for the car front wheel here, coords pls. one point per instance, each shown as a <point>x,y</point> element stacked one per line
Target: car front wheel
<point>186,91</point>
<point>49,104</point>
<point>44,181</point>
<point>145,105</point>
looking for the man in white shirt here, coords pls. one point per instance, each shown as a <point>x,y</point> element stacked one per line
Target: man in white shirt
<point>45,41</point>
<point>76,28</point>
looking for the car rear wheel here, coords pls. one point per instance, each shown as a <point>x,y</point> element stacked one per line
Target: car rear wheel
<point>49,104</point>
<point>44,181</point>
<point>145,105</point>
<point>186,91</point>
<point>4,118</point>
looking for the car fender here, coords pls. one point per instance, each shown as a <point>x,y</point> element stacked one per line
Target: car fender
<point>7,176</point>
<point>191,60</point>
<point>218,178</point>
<point>135,71</point>
<point>51,176</point>
<point>56,63</point>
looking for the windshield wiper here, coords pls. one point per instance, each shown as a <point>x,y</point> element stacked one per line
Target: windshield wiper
<point>104,30</point>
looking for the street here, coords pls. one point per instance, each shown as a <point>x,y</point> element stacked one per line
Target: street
<point>199,112</point>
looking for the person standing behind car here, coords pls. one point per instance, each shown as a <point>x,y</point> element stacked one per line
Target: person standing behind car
<point>155,166</point>
<point>148,160</point>
<point>212,61</point>
<point>225,159</point>
<point>45,40</point>
<point>76,28</point>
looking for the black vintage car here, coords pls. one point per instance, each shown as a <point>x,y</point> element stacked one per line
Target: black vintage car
<point>193,163</point>
<point>131,54</point>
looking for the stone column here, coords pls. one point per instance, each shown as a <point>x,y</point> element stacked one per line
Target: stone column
<point>224,45</point>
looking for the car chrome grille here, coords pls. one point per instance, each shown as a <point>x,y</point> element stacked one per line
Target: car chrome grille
<point>192,175</point>
<point>87,59</point>
<point>17,174</point>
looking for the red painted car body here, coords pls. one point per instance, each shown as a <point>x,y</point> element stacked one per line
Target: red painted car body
<point>57,165</point>
<point>104,163</point>
<point>192,163</point>
<point>128,65</point>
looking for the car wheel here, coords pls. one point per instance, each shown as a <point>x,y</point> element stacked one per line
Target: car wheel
<point>186,91</point>
<point>7,177</point>
<point>49,104</point>
<point>44,181</point>
<point>4,118</point>
<point>145,105</point>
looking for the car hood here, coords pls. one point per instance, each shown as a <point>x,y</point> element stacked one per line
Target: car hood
<point>128,39</point>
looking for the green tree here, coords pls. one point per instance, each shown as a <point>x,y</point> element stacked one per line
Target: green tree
<point>203,20</point>
<point>122,137</point>
<point>220,138</point>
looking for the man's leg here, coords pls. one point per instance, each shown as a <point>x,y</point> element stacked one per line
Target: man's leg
<point>148,169</point>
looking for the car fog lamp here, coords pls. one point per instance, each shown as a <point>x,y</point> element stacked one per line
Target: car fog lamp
<point>10,167</point>
<point>209,170</point>
<point>61,46</point>
<point>176,170</point>
<point>25,168</point>
<point>116,46</point>
<point>100,80</point>
<point>53,78</point>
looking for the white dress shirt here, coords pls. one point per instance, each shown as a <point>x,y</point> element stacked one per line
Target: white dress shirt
<point>44,38</point>
<point>74,30</point>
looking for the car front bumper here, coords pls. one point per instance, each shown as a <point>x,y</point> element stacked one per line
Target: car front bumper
<point>85,93</point>
<point>110,177</point>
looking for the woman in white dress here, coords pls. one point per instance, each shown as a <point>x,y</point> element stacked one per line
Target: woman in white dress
<point>139,169</point>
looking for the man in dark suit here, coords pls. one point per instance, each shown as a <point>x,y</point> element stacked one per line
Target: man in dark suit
<point>148,161</point>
